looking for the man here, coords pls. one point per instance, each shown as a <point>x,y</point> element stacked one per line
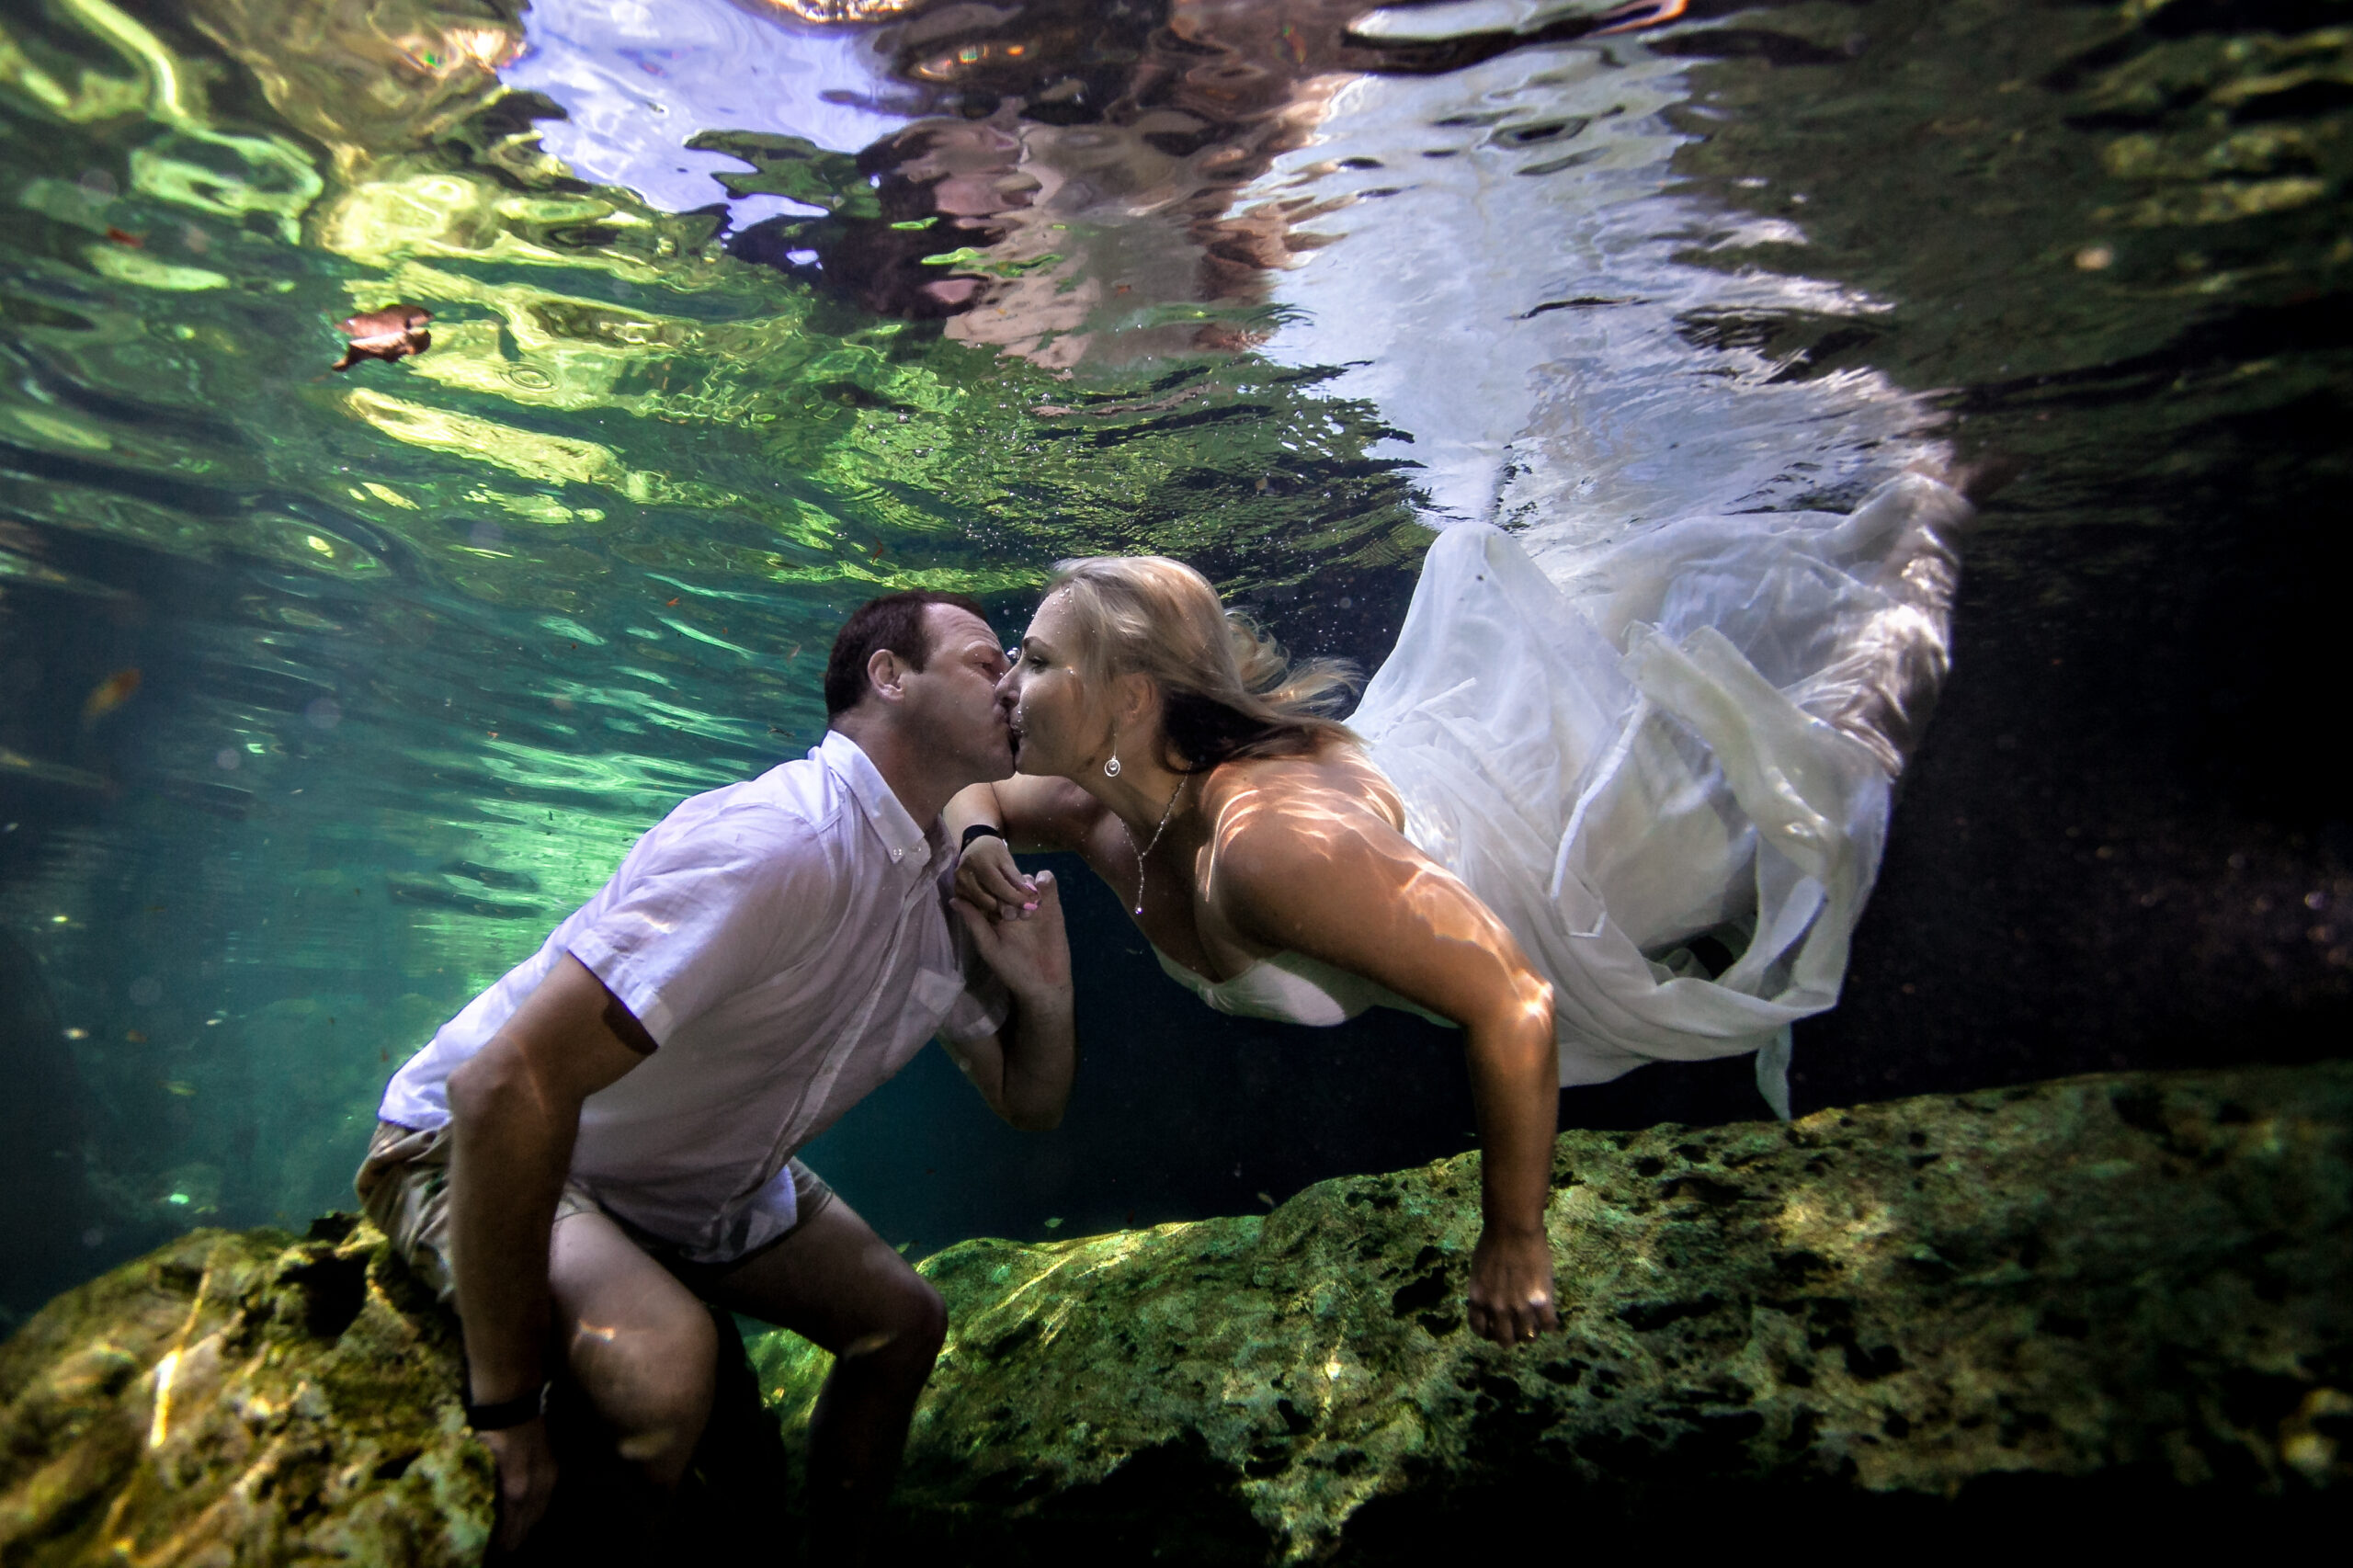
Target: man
<point>614,1122</point>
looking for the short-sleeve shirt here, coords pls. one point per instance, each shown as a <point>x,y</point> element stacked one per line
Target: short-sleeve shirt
<point>786,944</point>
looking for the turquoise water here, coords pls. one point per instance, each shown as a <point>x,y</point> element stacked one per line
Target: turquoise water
<point>745,312</point>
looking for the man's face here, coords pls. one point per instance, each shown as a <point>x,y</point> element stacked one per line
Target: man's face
<point>952,702</point>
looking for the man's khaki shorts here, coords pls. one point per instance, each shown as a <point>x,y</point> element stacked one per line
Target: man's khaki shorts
<point>403,1183</point>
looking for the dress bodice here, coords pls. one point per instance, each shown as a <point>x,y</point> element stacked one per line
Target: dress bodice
<point>1291,988</point>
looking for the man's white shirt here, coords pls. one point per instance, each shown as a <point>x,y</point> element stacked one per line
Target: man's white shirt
<point>786,943</point>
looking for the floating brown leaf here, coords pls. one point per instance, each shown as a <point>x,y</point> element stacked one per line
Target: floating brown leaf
<point>391,333</point>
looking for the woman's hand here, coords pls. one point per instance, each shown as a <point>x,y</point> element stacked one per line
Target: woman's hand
<point>1511,1288</point>
<point>1033,959</point>
<point>987,878</point>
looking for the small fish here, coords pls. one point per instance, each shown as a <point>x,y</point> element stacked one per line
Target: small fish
<point>393,333</point>
<point>1055,1223</point>
<point>1267,1199</point>
<point>134,1037</point>
<point>669,604</point>
<point>136,242</point>
<point>77,1034</point>
<point>109,695</point>
<point>185,1091</point>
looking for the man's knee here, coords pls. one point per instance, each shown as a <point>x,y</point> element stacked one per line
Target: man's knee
<point>912,1327</point>
<point>652,1383</point>
<point>926,1321</point>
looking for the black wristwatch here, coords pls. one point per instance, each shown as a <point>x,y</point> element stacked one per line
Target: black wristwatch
<point>508,1413</point>
<point>979,830</point>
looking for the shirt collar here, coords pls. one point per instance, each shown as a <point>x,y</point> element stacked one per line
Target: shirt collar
<point>898,831</point>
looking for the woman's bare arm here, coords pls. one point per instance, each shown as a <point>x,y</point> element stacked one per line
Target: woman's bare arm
<point>1316,872</point>
<point>1036,814</point>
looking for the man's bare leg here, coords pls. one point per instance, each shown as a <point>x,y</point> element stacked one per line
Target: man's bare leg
<point>638,1343</point>
<point>837,1284</point>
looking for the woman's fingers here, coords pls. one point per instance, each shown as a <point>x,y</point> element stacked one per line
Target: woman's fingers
<point>1016,894</point>
<point>1030,956</point>
<point>988,876</point>
<point>1520,1325</point>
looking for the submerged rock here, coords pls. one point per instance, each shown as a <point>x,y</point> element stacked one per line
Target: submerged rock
<point>242,1398</point>
<point>2128,1293</point>
<point>252,1398</point>
<point>2122,1295</point>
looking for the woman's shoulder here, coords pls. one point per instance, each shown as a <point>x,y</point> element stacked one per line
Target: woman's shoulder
<point>1334,788</point>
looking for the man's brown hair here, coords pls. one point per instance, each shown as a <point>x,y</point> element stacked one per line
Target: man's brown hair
<point>895,621</point>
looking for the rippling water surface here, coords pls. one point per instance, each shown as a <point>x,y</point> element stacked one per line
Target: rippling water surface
<point>322,695</point>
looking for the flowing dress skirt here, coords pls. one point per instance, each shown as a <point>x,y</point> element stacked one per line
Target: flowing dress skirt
<point>1666,765</point>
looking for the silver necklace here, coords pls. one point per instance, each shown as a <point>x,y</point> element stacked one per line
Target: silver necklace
<point>1156,832</point>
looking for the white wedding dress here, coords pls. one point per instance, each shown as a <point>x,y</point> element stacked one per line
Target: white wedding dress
<point>1693,732</point>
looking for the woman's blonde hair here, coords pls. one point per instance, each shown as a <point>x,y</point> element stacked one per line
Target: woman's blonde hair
<point>1227,691</point>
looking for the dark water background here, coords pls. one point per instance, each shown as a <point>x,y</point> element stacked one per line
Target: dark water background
<point>421,648</point>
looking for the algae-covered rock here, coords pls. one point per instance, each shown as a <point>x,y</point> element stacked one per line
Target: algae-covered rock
<point>2130,1292</point>
<point>242,1398</point>
<point>2127,1294</point>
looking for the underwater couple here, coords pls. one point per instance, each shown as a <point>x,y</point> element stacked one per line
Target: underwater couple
<point>1622,807</point>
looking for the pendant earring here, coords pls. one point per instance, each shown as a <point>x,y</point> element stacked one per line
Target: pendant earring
<point>1111,768</point>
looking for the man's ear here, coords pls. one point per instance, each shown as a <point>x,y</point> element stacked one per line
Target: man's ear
<point>886,674</point>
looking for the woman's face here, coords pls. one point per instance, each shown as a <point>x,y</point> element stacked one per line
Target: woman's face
<point>1058,723</point>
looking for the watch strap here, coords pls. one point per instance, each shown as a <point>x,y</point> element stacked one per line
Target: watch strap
<point>506,1413</point>
<point>979,830</point>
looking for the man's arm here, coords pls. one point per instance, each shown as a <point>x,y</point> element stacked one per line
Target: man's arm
<point>1024,1069</point>
<point>514,1111</point>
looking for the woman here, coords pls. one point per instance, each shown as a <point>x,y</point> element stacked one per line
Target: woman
<point>1557,803</point>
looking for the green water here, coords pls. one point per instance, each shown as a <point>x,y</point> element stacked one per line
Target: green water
<point>423,646</point>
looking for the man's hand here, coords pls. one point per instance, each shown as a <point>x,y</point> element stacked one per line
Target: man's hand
<point>1511,1288</point>
<point>1024,1071</point>
<point>987,878</point>
<point>1031,955</point>
<point>525,1478</point>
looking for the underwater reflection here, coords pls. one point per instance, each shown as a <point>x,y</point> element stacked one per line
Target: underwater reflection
<point>1065,182</point>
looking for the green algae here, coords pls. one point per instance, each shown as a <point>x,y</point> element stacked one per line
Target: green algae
<point>1905,1302</point>
<point>242,1398</point>
<point>2126,1288</point>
